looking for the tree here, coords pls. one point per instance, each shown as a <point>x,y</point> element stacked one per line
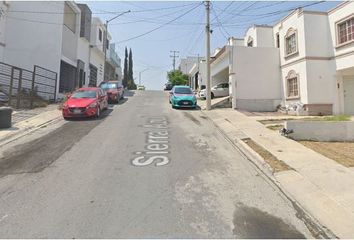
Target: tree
<point>125,71</point>
<point>177,77</point>
<point>131,83</point>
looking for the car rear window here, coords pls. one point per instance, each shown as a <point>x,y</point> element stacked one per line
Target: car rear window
<point>109,85</point>
<point>183,90</point>
<point>84,94</point>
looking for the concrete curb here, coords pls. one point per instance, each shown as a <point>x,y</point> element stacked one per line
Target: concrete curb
<point>314,226</point>
<point>25,131</point>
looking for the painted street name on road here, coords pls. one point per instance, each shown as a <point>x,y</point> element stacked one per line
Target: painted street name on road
<point>157,144</point>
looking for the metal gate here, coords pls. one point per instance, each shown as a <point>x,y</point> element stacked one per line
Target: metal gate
<point>27,89</point>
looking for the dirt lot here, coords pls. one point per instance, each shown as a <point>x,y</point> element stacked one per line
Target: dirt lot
<point>341,152</point>
<point>276,164</point>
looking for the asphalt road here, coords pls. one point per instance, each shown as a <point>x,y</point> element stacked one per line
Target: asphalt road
<point>143,170</point>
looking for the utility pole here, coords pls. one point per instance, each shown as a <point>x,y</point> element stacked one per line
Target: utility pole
<point>207,43</point>
<point>174,56</point>
<point>105,41</point>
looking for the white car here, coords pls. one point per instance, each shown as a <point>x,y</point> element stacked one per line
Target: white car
<point>140,87</point>
<point>220,90</point>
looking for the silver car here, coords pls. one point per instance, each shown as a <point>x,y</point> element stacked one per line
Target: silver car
<point>219,90</point>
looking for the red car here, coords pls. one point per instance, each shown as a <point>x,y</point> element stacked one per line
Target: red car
<point>114,90</point>
<point>85,102</point>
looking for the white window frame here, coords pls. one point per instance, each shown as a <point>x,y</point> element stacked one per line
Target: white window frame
<point>291,32</point>
<point>292,76</point>
<point>340,22</point>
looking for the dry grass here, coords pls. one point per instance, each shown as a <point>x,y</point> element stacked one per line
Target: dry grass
<point>341,152</point>
<point>276,164</point>
<point>276,127</point>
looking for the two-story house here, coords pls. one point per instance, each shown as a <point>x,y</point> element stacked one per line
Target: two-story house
<point>304,63</point>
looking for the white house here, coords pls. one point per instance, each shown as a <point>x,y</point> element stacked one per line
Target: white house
<point>317,60</point>
<point>305,63</point>
<point>198,75</point>
<point>97,52</point>
<point>58,42</point>
<point>252,71</point>
<point>341,26</point>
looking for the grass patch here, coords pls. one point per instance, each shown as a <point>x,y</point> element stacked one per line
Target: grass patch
<point>341,152</point>
<point>274,121</point>
<point>276,164</point>
<point>276,127</point>
<point>336,118</point>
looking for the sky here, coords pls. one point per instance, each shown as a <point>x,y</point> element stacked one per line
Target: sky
<point>153,29</point>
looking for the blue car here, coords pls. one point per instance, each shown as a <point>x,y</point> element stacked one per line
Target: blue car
<point>182,96</point>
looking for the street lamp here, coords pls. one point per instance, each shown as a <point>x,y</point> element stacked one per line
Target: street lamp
<point>140,75</point>
<point>105,39</point>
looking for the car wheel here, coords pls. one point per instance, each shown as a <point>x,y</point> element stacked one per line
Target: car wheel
<point>66,119</point>
<point>212,95</point>
<point>98,112</point>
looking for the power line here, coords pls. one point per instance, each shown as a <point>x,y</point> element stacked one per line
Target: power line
<point>154,29</point>
<point>221,27</point>
<point>102,11</point>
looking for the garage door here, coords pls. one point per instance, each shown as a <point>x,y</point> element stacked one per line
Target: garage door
<point>348,85</point>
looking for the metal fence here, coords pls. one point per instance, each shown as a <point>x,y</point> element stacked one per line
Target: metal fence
<point>28,89</point>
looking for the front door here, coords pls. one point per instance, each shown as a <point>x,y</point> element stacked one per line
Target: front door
<point>348,86</point>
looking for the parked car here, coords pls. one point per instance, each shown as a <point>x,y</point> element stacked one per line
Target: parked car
<point>85,102</point>
<point>168,87</point>
<point>182,96</point>
<point>4,99</point>
<point>220,90</point>
<point>114,90</point>
<point>140,87</point>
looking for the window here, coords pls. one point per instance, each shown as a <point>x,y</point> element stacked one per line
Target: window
<point>277,40</point>
<point>100,35</point>
<point>107,43</point>
<point>292,83</point>
<point>290,42</point>
<point>346,31</point>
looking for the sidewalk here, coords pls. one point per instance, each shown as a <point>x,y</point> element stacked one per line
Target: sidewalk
<point>26,121</point>
<point>322,187</point>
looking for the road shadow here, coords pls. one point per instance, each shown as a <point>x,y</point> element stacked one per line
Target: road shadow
<point>197,108</point>
<point>128,93</point>
<point>103,115</point>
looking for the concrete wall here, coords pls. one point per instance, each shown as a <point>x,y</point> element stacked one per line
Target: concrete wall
<point>83,54</point>
<point>97,59</point>
<point>3,12</point>
<point>264,36</point>
<point>321,81</point>
<point>257,76</point>
<point>31,42</point>
<point>321,130</point>
<point>317,35</point>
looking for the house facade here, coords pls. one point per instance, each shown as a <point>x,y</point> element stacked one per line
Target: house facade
<point>341,26</point>
<point>70,44</point>
<point>303,64</point>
